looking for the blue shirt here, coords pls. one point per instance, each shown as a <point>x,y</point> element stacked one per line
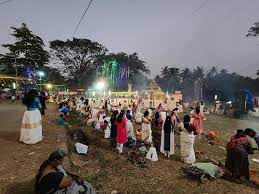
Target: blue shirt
<point>36,105</point>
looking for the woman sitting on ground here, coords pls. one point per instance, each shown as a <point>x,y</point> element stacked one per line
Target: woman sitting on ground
<point>53,179</point>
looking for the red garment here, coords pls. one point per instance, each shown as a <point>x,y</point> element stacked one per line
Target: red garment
<point>174,119</point>
<point>233,140</point>
<point>197,121</point>
<point>121,131</point>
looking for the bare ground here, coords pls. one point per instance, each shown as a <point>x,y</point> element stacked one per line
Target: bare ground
<point>107,170</point>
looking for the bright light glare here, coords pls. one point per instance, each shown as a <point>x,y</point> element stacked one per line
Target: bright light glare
<point>41,73</point>
<point>14,86</point>
<point>49,86</point>
<point>100,85</point>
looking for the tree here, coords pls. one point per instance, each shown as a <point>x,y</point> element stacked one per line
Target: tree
<point>26,51</point>
<point>77,58</point>
<point>254,30</point>
<point>170,78</point>
<point>186,74</point>
<point>212,72</point>
<point>198,73</point>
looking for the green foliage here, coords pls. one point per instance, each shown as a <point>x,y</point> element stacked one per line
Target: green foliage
<point>27,50</point>
<point>76,58</point>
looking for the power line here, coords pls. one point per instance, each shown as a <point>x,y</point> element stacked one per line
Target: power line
<point>83,16</point>
<point>5,2</point>
<point>201,6</point>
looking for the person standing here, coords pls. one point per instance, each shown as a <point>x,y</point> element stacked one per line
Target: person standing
<point>146,128</point>
<point>167,137</point>
<point>121,137</point>
<point>187,136</point>
<point>174,117</point>
<point>197,120</point>
<point>42,98</point>
<point>31,131</point>
<point>113,129</point>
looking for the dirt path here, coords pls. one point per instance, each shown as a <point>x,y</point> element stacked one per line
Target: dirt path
<point>19,162</point>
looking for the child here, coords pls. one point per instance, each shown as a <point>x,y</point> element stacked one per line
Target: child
<point>61,120</point>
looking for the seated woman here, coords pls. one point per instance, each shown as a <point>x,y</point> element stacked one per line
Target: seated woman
<point>237,155</point>
<point>53,179</point>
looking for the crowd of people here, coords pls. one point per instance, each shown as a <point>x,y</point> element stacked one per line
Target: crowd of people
<point>117,120</point>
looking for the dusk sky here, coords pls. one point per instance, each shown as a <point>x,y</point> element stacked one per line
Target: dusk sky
<point>163,32</point>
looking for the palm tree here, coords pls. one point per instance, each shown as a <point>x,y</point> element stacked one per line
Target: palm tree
<point>198,73</point>
<point>213,71</point>
<point>185,74</point>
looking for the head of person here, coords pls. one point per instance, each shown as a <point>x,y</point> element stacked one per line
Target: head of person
<point>146,113</point>
<point>240,133</point>
<point>174,111</point>
<point>105,123</point>
<point>121,115</point>
<point>114,113</point>
<point>197,110</point>
<point>55,159</point>
<point>250,132</point>
<point>186,119</point>
<point>30,97</point>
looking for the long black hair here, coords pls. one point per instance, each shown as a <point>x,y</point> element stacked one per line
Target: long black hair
<point>186,121</point>
<point>121,115</point>
<point>146,113</point>
<point>54,156</point>
<point>168,124</point>
<point>29,97</point>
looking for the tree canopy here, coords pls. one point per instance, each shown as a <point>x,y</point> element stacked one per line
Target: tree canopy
<point>214,82</point>
<point>27,51</point>
<point>76,58</point>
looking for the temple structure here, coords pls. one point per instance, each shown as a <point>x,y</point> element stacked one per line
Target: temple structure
<point>154,95</point>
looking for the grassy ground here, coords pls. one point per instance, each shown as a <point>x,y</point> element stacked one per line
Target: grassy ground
<point>109,171</point>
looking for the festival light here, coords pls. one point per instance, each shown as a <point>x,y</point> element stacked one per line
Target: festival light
<point>41,73</point>
<point>100,85</point>
<point>14,86</point>
<point>49,86</point>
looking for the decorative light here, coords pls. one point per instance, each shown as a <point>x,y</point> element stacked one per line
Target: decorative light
<point>14,85</point>
<point>41,73</point>
<point>100,85</point>
<point>49,86</point>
